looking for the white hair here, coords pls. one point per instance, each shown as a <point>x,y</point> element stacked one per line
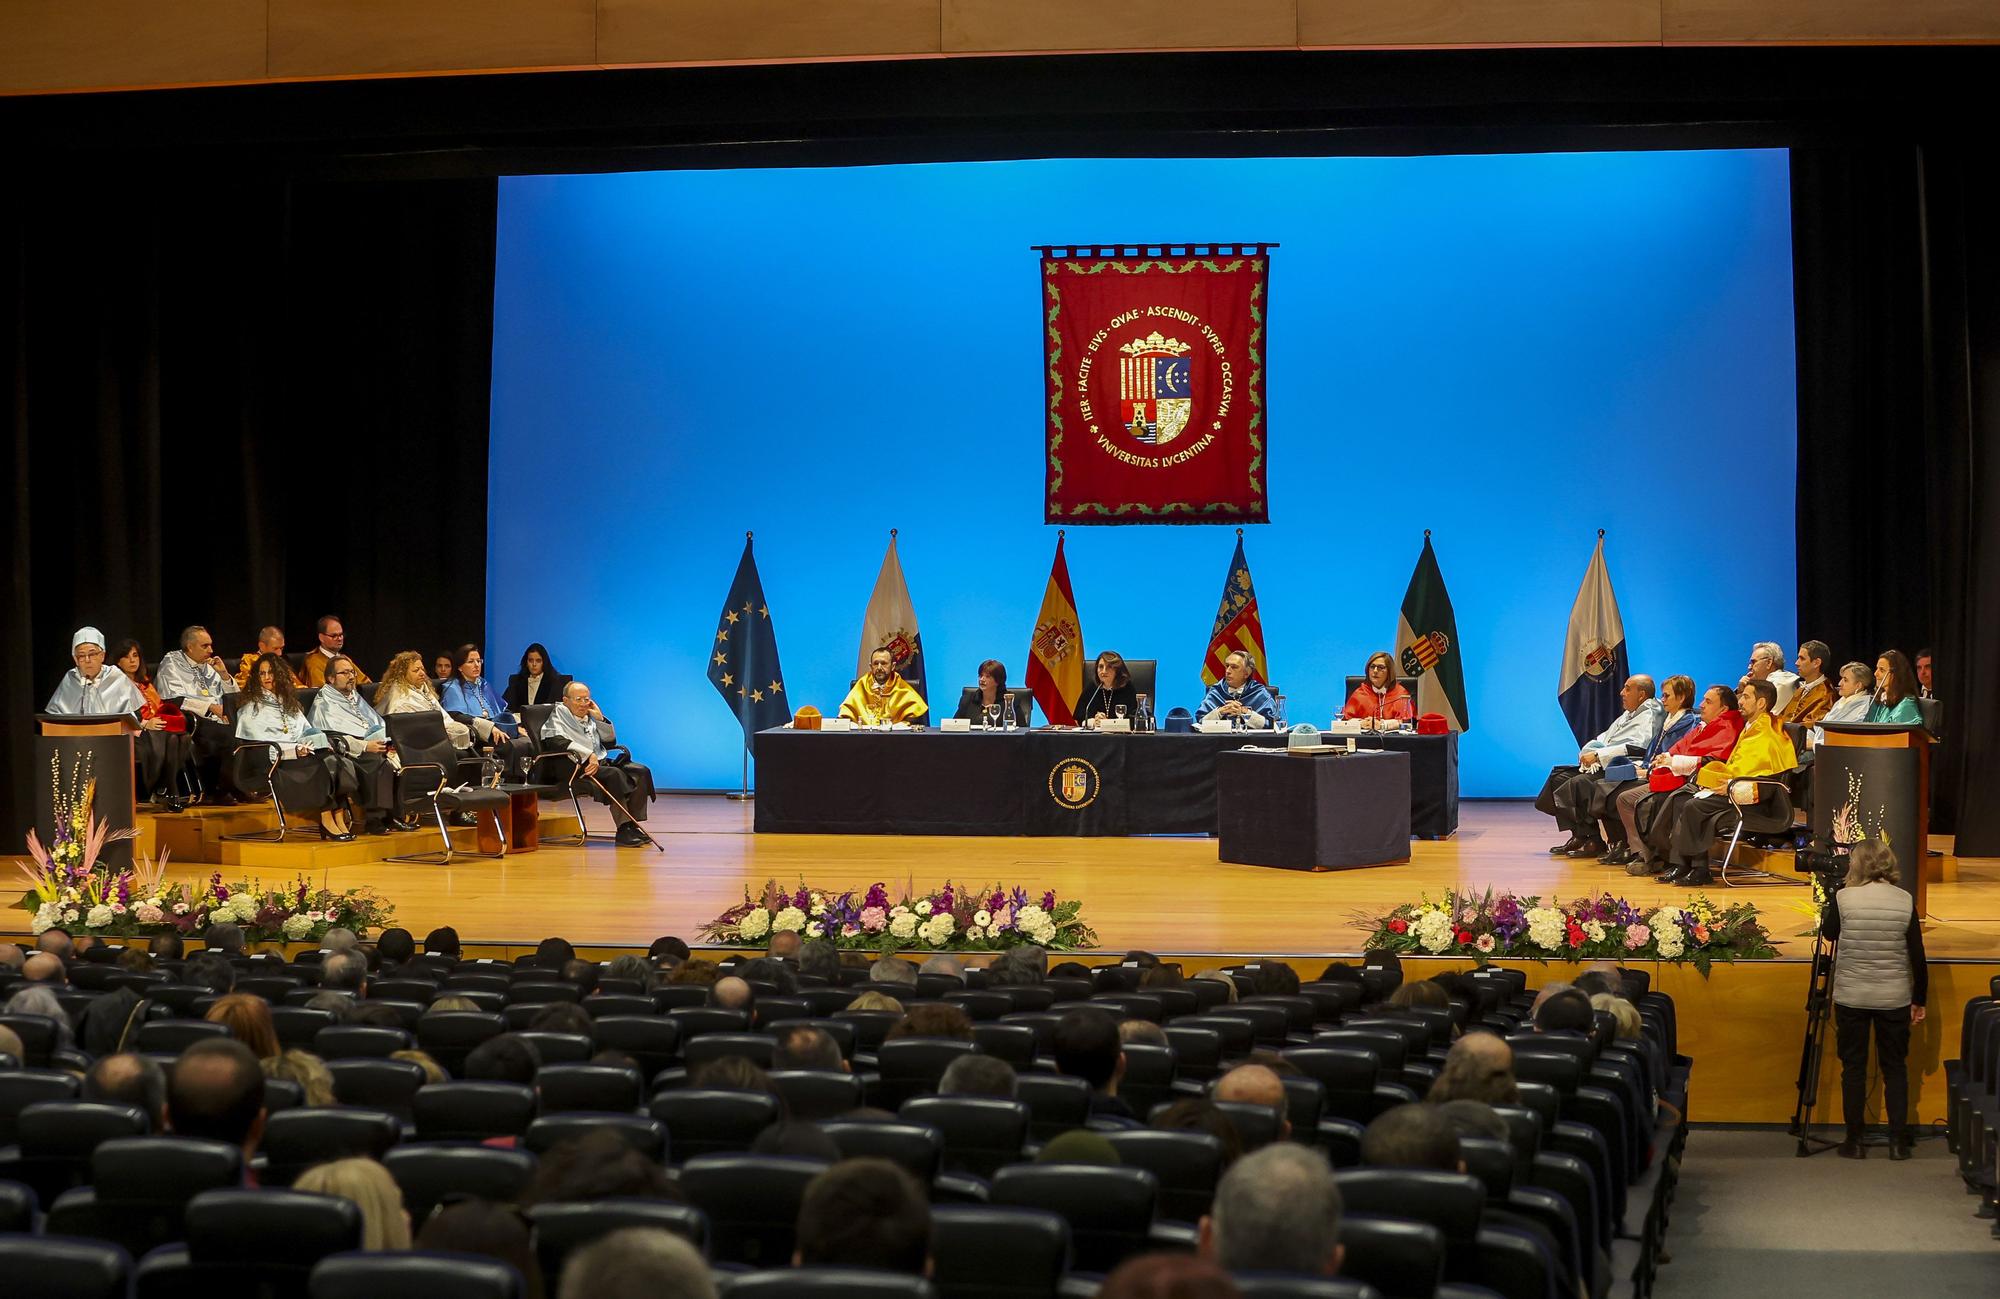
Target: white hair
<point>1769,649</point>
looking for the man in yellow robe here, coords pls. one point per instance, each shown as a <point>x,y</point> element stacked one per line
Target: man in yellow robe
<point>882,697</point>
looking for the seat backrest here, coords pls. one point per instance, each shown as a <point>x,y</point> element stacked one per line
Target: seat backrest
<point>1401,1258</point>
<point>981,1251</point>
<point>1492,1162</point>
<point>757,1048</point>
<point>704,1122</point>
<point>917,1147</point>
<point>245,1225</point>
<point>297,1139</point>
<point>162,1169</point>
<point>696,1021</point>
<point>71,1269</point>
<point>644,1134</point>
<point>1197,1048</point>
<point>559,1048</point>
<point>813,1095</point>
<point>1451,1202</point>
<point>1271,1286</point>
<point>752,1203</point>
<point>473,1111</point>
<point>379,1084</point>
<point>72,1129</point>
<point>829,1283</point>
<point>1187,1164</point>
<point>981,1133</point>
<point>607,1088</point>
<point>615,1003</point>
<point>1056,1103</point>
<point>37,1034</point>
<point>420,739</point>
<point>20,1088</point>
<point>562,1229</point>
<point>429,1171</point>
<point>359,1041</point>
<point>651,1040</point>
<point>1145,674</point>
<point>911,1066</point>
<point>372,1275</point>
<point>1258,1125</point>
<point>1109,1210</point>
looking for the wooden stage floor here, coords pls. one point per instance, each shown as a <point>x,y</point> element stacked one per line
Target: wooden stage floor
<point>1162,894</point>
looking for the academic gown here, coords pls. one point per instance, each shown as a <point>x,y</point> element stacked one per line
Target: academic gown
<point>1369,704</point>
<point>896,703</point>
<point>305,784</point>
<point>629,783</point>
<point>111,691</point>
<point>372,775</point>
<point>1253,696</point>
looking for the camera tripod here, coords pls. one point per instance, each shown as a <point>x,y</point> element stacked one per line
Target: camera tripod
<point>1819,1016</point>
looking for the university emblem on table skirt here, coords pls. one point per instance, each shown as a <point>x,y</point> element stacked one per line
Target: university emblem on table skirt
<point>1073,784</point>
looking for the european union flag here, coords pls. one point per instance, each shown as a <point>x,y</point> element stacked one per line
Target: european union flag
<point>743,662</point>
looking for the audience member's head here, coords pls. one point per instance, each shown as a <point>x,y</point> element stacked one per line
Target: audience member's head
<point>1274,979</point>
<point>1086,1046</point>
<point>39,999</point>
<point>11,1044</point>
<point>482,1227</point>
<point>44,968</point>
<point>136,959</point>
<point>944,963</point>
<point>1630,1023</point>
<point>216,1090</point>
<point>731,1073</point>
<point>56,941</point>
<point>167,947</point>
<point>785,944</point>
<point>127,1079</point>
<point>508,1057</point>
<point>819,959</point>
<point>1197,1114</point>
<point>1479,1067</point>
<point>596,1166</point>
<point>433,1071</point>
<point>248,1020</point>
<point>1255,1084</point>
<point>802,1046</point>
<point>345,971</point>
<point>732,993</point>
<point>668,948</point>
<point>554,953</point>
<point>769,970</point>
<point>976,1074</point>
<point>1277,1210</point>
<point>1415,1135</point>
<point>1422,995</point>
<point>563,1017</point>
<point>341,1006</point>
<point>872,1000</point>
<point>865,1213</point>
<point>339,939</point>
<point>1168,1276</point>
<point>1141,1032</point>
<point>395,946</point>
<point>934,1019</point>
<point>1079,1146</point>
<point>1592,982</point>
<point>1474,1119</point>
<point>1566,1012</point>
<point>894,971</point>
<point>697,973</point>
<point>633,969</point>
<point>796,1139</point>
<point>1018,967</point>
<point>636,1263</point>
<point>581,973</point>
<point>376,1014</point>
<point>385,1223</point>
<point>12,957</point>
<point>442,942</point>
<point>1222,977</point>
<point>314,1079</point>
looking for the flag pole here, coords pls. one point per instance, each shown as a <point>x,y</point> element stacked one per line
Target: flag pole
<point>743,795</point>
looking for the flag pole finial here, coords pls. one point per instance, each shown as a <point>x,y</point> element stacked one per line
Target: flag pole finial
<point>1427,534</point>
<point>1239,534</point>
<point>1600,534</point>
<point>892,534</point>
<point>747,534</point>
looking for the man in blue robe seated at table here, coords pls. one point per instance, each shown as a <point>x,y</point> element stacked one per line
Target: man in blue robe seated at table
<point>1238,695</point>
<point>578,725</point>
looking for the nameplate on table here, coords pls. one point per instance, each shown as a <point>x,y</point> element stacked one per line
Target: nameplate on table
<point>955,724</point>
<point>836,724</point>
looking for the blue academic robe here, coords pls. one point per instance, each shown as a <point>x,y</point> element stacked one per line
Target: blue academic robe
<point>1253,696</point>
<point>476,699</point>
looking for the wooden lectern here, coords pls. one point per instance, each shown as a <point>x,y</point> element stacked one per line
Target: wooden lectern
<point>1879,776</point>
<point>72,750</point>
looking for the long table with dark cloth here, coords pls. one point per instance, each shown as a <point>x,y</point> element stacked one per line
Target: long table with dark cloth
<point>1033,782</point>
<point>1321,811</point>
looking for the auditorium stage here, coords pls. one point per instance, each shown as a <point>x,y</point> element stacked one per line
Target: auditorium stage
<point>1169,895</point>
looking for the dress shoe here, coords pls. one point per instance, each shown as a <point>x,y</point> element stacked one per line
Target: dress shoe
<point>1899,1149</point>
<point>631,836</point>
<point>169,803</point>
<point>1588,848</point>
<point>1671,875</point>
<point>401,823</point>
<point>1615,855</point>
<point>1850,1150</point>
<point>1566,848</point>
<point>1639,866</point>
<point>1696,877</point>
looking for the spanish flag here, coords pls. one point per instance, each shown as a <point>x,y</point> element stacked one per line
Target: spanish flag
<point>1238,626</point>
<point>1055,655</point>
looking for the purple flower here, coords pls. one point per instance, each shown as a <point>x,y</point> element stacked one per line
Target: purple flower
<point>1049,900</point>
<point>878,896</point>
<point>802,899</point>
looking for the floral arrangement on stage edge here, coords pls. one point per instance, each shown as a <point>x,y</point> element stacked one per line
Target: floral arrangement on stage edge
<point>1490,926</point>
<point>70,887</point>
<point>946,919</point>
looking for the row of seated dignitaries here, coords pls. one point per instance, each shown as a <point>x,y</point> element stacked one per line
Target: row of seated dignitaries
<point>1649,792</point>
<point>333,755</point>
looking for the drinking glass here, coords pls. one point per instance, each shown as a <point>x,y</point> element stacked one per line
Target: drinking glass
<point>1121,712</point>
<point>992,716</point>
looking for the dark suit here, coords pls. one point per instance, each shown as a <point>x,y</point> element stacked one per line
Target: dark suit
<point>516,696</point>
<point>1099,702</point>
<point>970,710</point>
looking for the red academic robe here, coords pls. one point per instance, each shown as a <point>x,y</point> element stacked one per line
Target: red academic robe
<point>1395,704</point>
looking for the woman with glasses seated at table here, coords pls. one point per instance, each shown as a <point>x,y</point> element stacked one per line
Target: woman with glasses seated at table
<point>991,692</point>
<point>406,688</point>
<point>1112,695</point>
<point>163,745</point>
<point>1380,697</point>
<point>305,775</point>
<point>1895,691</point>
<point>537,682</point>
<point>470,696</point>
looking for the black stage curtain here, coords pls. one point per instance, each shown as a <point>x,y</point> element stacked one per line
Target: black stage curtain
<point>1898,306</point>
<point>236,404</point>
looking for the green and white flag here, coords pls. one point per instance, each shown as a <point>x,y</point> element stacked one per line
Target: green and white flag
<point>1427,645</point>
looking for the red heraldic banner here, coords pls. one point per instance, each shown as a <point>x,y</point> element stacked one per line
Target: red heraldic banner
<point>1156,383</point>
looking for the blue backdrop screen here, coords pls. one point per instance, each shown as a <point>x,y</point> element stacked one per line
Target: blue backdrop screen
<point>1512,351</point>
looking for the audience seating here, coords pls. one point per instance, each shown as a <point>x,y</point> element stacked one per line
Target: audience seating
<point>390,1085</point>
<point>57,1139</point>
<point>828,1283</point>
<point>562,1229</point>
<point>1109,1210</point>
<point>473,1111</point>
<point>703,1122</point>
<point>140,1187</point>
<point>297,1139</point>
<point>752,1203</point>
<point>1187,1165</point>
<point>646,1135</point>
<point>67,1269</point>
<point>432,1275</point>
<point>253,1242</point>
<point>429,1171</point>
<point>916,1147</point>
<point>982,1134</point>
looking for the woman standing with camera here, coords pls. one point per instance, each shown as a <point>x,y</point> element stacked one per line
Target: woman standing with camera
<point>1880,981</point>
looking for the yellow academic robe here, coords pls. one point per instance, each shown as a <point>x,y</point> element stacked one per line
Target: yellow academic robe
<point>898,702</point>
<point>1762,750</point>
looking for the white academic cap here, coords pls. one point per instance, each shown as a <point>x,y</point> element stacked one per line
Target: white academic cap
<point>86,636</point>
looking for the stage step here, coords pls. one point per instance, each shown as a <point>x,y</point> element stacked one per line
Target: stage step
<point>196,835</point>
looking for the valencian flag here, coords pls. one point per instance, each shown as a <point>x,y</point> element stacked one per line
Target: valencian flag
<point>1055,655</point>
<point>743,660</point>
<point>891,621</point>
<point>1154,376</point>
<point>1427,645</point>
<point>1594,665</point>
<point>1238,626</point>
